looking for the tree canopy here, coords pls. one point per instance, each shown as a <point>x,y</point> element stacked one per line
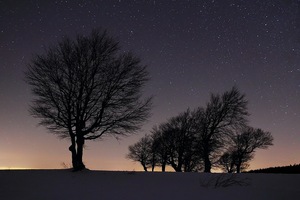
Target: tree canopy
<point>87,87</point>
<point>217,135</point>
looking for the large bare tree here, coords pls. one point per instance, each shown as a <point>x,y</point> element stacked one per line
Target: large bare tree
<point>87,88</point>
<point>222,114</point>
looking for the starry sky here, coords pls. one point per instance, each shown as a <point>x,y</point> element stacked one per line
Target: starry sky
<point>192,48</point>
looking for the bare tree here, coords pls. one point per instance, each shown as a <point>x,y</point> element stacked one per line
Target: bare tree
<point>173,142</point>
<point>87,88</point>
<point>245,144</point>
<point>180,145</point>
<point>216,121</point>
<point>161,142</point>
<point>142,152</point>
<point>227,162</point>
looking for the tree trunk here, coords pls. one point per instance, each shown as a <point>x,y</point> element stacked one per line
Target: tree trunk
<point>72,148</point>
<point>178,169</point>
<point>77,154</point>
<point>179,166</point>
<point>175,167</point>
<point>73,152</point>
<point>152,169</point>
<point>238,167</point>
<point>145,168</point>
<point>207,163</point>
<point>153,163</point>
<point>163,167</point>
<point>164,163</point>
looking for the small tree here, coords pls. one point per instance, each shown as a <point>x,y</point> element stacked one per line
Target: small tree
<point>86,88</point>
<point>142,152</point>
<point>227,162</point>
<point>245,144</point>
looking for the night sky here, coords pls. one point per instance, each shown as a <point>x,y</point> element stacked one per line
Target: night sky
<point>192,49</point>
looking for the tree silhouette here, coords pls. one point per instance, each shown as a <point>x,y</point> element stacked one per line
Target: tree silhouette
<point>142,152</point>
<point>245,144</point>
<point>161,142</point>
<point>215,123</point>
<point>171,143</point>
<point>87,88</point>
<point>174,142</point>
<point>182,137</point>
<point>227,161</point>
<point>214,135</point>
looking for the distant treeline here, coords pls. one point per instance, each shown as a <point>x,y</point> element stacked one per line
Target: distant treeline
<point>291,169</point>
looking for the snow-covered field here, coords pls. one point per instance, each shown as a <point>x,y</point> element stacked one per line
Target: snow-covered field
<point>106,185</point>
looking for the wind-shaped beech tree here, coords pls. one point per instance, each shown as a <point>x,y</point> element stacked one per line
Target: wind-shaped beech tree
<point>142,152</point>
<point>181,135</point>
<point>243,147</point>
<point>87,88</point>
<point>222,114</point>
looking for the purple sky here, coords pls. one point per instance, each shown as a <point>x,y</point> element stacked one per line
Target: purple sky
<point>192,48</point>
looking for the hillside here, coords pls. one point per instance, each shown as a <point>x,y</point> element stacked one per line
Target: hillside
<point>106,185</point>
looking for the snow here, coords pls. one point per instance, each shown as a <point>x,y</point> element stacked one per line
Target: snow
<point>113,185</point>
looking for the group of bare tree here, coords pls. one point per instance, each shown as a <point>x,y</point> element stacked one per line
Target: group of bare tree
<point>87,88</point>
<point>216,135</point>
